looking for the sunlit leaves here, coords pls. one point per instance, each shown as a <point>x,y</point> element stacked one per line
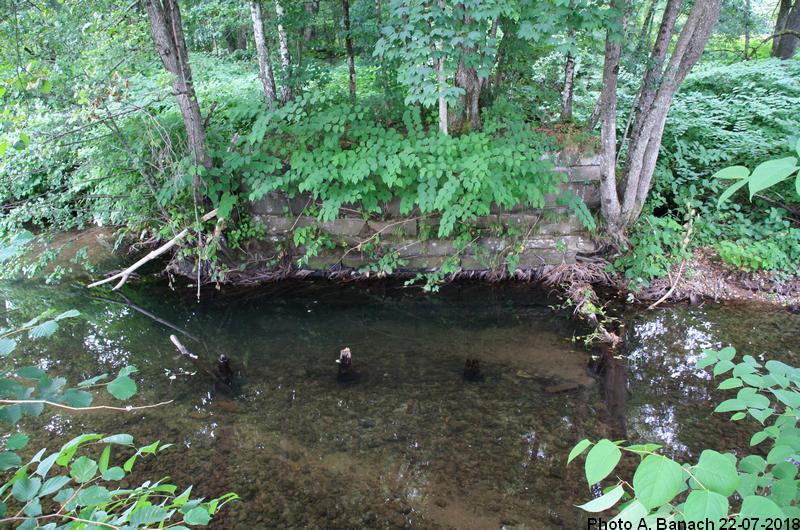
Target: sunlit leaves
<point>657,480</point>
<point>601,461</point>
<point>578,450</point>
<point>716,472</point>
<point>83,469</point>
<point>604,502</point>
<point>702,505</point>
<point>197,516</point>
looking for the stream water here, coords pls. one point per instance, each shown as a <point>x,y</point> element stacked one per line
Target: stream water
<point>408,443</point>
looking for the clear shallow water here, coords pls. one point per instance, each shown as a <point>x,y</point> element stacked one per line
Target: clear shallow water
<point>408,443</point>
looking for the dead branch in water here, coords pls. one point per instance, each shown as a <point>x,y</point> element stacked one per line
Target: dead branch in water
<point>123,275</point>
<point>195,360</point>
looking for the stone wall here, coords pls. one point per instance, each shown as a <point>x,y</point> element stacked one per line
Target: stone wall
<point>548,236</point>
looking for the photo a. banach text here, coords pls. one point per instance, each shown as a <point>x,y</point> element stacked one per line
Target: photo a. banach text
<point>669,523</point>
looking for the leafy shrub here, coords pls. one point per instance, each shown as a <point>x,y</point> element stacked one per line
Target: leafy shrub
<point>72,488</point>
<point>746,488</point>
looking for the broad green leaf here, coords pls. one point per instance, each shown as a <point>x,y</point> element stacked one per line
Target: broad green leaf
<point>771,172</point>
<point>72,313</point>
<point>728,193</point>
<point>119,439</point>
<point>25,488</point>
<point>758,437</point>
<point>701,505</point>
<point>730,405</point>
<point>147,515</point>
<point>93,380</point>
<point>604,502</point>
<point>732,172</point>
<point>716,472</point>
<point>114,473</point>
<point>633,512</point>
<point>601,461</point>
<point>709,357</point>
<point>7,346</point>
<point>761,415</point>
<point>122,388</point>
<point>657,481</point>
<point>733,382</point>
<point>197,516</point>
<point>83,469</point>
<point>53,484</point>
<point>45,329</point>
<point>780,453</point>
<point>76,398</point>
<point>17,441</point>
<point>752,399</point>
<point>753,464</point>
<point>722,367</point>
<point>93,496</point>
<point>578,450</point>
<point>784,491</point>
<point>8,460</point>
<point>760,508</point>
<point>788,397</point>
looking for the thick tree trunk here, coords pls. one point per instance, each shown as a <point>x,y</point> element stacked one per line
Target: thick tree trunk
<point>780,24</point>
<point>312,8</point>
<point>348,44</point>
<point>785,46</point>
<point>286,60</point>
<point>262,52</point>
<point>165,22</point>
<point>569,86</point>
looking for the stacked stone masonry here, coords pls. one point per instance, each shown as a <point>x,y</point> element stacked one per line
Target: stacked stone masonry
<point>547,236</point>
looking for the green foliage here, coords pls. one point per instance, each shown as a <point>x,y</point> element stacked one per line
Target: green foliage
<point>73,488</point>
<point>768,393</point>
<point>766,175</point>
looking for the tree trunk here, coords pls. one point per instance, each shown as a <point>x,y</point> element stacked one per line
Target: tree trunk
<point>748,17</point>
<point>262,52</point>
<point>286,60</point>
<point>658,89</point>
<point>785,46</point>
<point>644,35</point>
<point>312,8</point>
<point>569,85</point>
<point>441,82</point>
<point>643,152</point>
<point>348,43</point>
<point>780,24</point>
<point>165,22</point>
<point>607,109</point>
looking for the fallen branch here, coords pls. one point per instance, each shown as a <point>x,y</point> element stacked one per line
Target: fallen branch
<point>195,360</point>
<point>79,409</point>
<point>684,246</point>
<point>123,275</point>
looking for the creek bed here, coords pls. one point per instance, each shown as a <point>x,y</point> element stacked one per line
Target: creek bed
<point>408,443</point>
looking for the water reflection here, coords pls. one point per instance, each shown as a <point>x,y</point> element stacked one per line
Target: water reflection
<point>464,409</point>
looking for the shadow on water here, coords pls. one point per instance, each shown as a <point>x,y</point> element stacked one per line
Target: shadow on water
<point>458,411</point>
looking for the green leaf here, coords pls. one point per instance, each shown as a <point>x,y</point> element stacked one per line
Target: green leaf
<point>122,388</point>
<point>197,516</point>
<point>709,357</point>
<point>761,415</point>
<point>93,380</point>
<point>758,437</point>
<point>701,505</point>
<point>93,495</point>
<point>83,469</point>
<point>780,453</point>
<point>657,481</point>
<point>601,461</point>
<point>753,464</point>
<point>771,172</point>
<point>114,473</point>
<point>784,491</point>
<point>578,450</point>
<point>752,399</point>
<point>730,405</point>
<point>76,398</point>
<point>72,313</point>
<point>733,382</point>
<point>45,329</point>
<point>119,439</point>
<point>732,172</point>
<point>604,502</point>
<point>722,367</point>
<point>17,441</point>
<point>148,515</point>
<point>633,512</point>
<point>736,186</point>
<point>25,488</point>
<point>7,346</point>
<point>760,508</point>
<point>53,484</point>
<point>8,460</point>
<point>105,456</point>
<point>716,472</point>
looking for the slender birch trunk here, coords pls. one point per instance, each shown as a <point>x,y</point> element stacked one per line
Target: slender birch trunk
<point>348,43</point>
<point>262,52</point>
<point>286,59</point>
